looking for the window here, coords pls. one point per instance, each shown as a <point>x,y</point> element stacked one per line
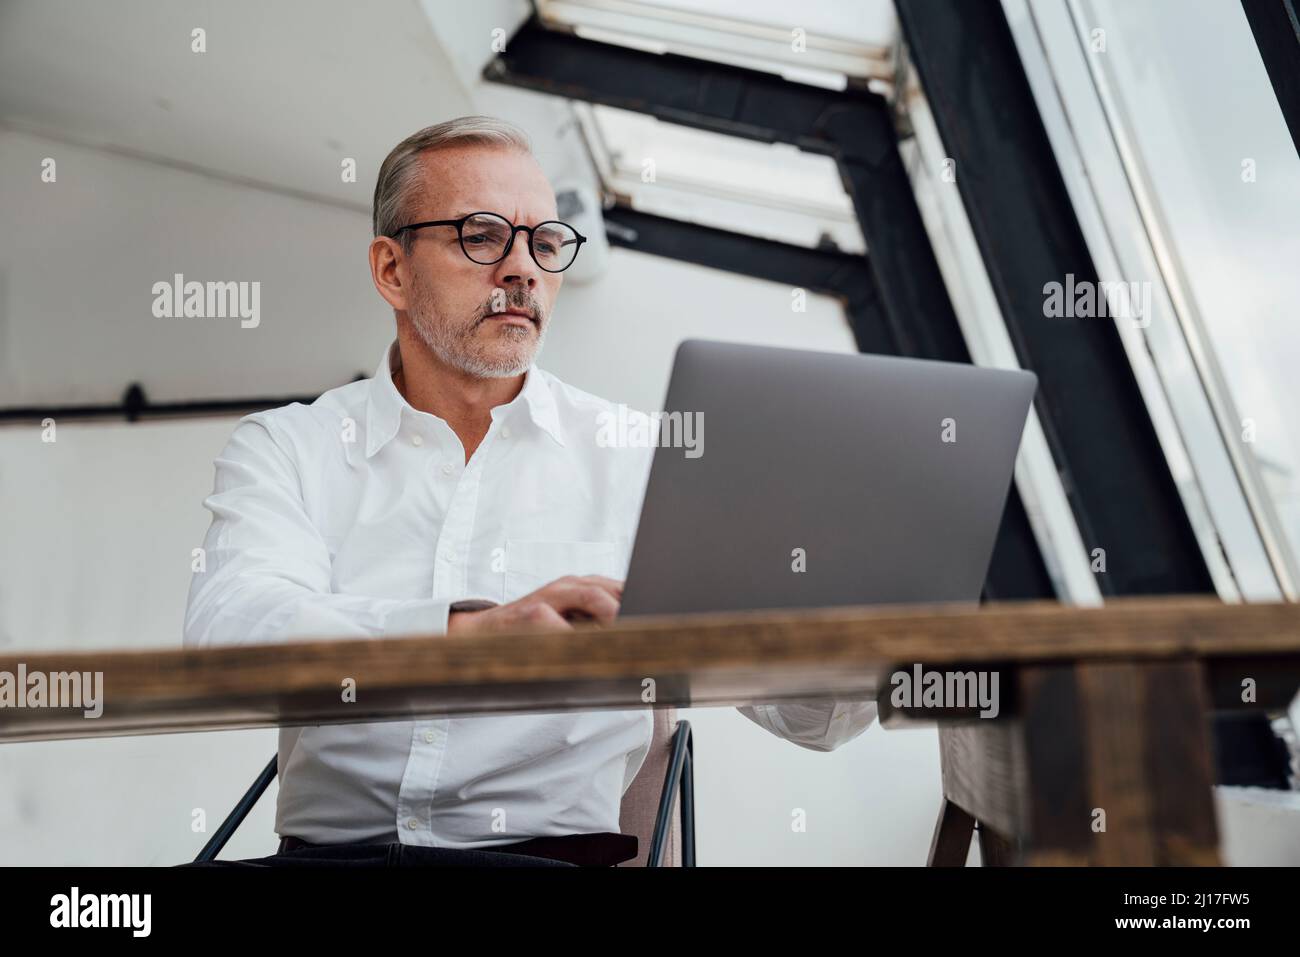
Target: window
<point>771,190</point>
<point>824,42</point>
<point>1183,175</point>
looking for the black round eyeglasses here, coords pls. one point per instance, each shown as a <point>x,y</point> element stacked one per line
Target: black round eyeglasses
<point>486,238</point>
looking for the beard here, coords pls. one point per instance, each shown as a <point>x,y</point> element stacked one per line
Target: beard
<point>507,351</point>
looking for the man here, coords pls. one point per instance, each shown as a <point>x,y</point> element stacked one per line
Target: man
<point>460,490</point>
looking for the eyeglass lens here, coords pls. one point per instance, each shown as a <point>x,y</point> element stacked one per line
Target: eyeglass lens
<point>485,235</point>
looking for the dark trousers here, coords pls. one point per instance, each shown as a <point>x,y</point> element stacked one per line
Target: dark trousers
<point>577,850</point>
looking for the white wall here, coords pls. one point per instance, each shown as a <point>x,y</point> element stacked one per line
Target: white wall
<point>95,554</point>
<point>79,257</point>
<point>98,526</point>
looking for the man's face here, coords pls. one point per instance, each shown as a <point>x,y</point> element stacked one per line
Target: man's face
<point>488,321</point>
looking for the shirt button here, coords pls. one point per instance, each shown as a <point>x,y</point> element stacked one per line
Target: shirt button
<point>417,440</point>
<point>428,737</point>
<point>412,824</point>
<point>505,431</point>
<point>448,469</point>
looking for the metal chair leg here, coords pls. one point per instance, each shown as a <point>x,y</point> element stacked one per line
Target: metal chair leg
<point>681,775</point>
<point>236,816</point>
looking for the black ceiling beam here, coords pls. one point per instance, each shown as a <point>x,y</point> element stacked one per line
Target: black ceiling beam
<point>1116,477</point>
<point>690,92</point>
<point>1276,26</point>
<point>827,271</point>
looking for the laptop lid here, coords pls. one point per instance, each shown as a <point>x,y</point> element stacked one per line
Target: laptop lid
<point>824,479</point>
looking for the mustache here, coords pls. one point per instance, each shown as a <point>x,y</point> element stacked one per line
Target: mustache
<point>523,301</point>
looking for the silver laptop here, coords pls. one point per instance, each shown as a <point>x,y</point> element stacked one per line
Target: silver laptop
<point>822,479</point>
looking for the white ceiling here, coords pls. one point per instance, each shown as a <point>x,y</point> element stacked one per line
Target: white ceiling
<point>285,91</point>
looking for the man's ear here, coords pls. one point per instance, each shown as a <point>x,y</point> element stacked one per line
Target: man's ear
<point>389,271</point>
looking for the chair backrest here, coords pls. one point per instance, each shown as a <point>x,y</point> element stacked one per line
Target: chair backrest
<point>641,800</point>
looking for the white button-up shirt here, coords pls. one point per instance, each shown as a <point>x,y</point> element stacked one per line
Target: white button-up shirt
<point>359,516</point>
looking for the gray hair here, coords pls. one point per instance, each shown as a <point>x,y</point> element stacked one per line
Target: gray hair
<point>398,181</point>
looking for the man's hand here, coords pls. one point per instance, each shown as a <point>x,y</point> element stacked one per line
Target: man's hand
<point>553,606</point>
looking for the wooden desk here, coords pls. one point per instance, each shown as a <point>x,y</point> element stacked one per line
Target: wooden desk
<point>1101,709</point>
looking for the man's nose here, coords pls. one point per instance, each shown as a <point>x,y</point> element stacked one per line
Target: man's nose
<point>518,266</point>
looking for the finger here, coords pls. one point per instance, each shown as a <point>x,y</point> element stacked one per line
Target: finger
<point>591,599</point>
<point>547,617</point>
<point>611,585</point>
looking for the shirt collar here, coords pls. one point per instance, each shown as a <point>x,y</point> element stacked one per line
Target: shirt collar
<point>385,404</point>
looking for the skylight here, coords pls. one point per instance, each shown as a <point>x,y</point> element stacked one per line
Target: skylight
<point>820,42</point>
<point>771,190</point>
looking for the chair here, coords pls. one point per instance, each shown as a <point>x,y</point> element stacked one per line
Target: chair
<point>663,839</point>
<point>647,808</point>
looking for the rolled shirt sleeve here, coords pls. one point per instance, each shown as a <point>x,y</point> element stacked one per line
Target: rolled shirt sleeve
<point>265,571</point>
<point>819,725</point>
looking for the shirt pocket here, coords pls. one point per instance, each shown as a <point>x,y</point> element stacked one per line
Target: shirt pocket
<point>532,563</point>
